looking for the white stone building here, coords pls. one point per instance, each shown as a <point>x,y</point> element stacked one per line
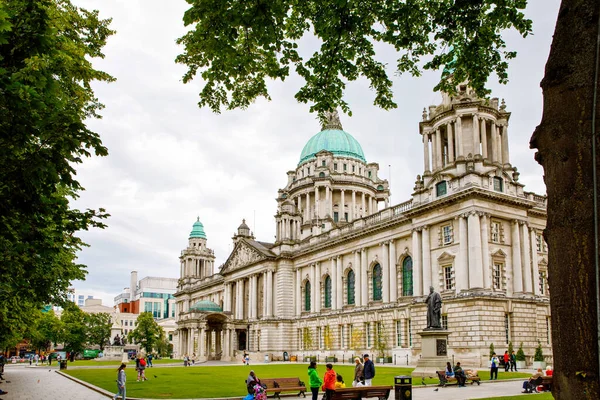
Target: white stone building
<point>348,273</point>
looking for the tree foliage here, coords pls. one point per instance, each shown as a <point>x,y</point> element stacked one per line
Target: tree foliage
<point>74,335</point>
<point>46,330</point>
<point>46,48</point>
<point>99,326</point>
<point>147,332</point>
<point>235,45</point>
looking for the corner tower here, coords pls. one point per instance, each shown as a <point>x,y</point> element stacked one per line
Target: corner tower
<point>465,144</point>
<point>197,260</point>
<point>332,185</point>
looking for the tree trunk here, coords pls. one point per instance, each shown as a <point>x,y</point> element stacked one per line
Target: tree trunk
<point>564,140</point>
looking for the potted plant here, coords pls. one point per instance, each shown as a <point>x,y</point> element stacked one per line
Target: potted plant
<point>521,357</point>
<point>538,357</point>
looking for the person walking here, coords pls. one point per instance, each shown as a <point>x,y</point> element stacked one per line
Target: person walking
<point>313,380</point>
<point>513,361</point>
<point>329,381</point>
<point>358,373</point>
<point>494,362</point>
<point>121,379</point>
<point>368,370</point>
<point>506,361</point>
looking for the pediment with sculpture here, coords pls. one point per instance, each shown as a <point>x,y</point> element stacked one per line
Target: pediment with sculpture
<point>242,255</point>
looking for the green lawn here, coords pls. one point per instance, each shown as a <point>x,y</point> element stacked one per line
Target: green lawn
<point>540,396</point>
<point>225,381</point>
<point>100,362</point>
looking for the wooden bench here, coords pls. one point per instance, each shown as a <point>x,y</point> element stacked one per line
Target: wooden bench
<point>471,375</point>
<point>547,382</point>
<point>362,392</point>
<point>278,385</point>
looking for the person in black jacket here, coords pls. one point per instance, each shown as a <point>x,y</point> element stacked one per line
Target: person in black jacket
<point>368,370</point>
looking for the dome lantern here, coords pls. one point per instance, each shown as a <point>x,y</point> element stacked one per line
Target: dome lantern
<point>198,230</point>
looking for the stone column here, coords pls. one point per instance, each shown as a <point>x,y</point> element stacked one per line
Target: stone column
<point>364,296</point>
<point>416,253</point>
<point>439,148</point>
<point>353,209</point>
<point>313,288</point>
<point>298,292</point>
<point>484,144</point>
<point>339,285</point>
<point>393,273</point>
<point>450,142</point>
<point>526,260</point>
<point>307,216</point>
<point>192,349</point>
<point>505,152</point>
<point>300,204</point>
<point>485,250</point>
<point>334,286</point>
<point>385,273</point>
<point>475,262</point>
<point>462,270</point>
<point>225,297</point>
<point>427,279</point>
<point>327,201</point>
<point>364,205</point>
<point>499,143</point>
<point>459,137</point>
<point>264,305</point>
<point>426,152</point>
<point>254,297</point>
<point>269,293</point>
<point>495,153</point>
<point>516,258</point>
<point>373,205</point>
<point>534,261</point>
<point>202,350</point>
<point>317,205</point>
<point>476,146</point>
<point>357,279</point>
<point>342,206</point>
<point>226,344</point>
<point>318,287</point>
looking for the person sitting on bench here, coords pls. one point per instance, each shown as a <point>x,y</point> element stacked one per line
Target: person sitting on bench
<point>449,372</point>
<point>459,374</point>
<point>528,386</point>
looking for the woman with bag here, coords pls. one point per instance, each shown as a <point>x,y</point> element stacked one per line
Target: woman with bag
<point>358,373</point>
<point>121,379</point>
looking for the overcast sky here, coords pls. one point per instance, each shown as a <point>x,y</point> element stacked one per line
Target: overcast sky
<point>170,162</point>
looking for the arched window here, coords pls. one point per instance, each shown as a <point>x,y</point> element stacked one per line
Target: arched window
<point>377,282</point>
<point>407,277</point>
<point>322,175</point>
<point>327,291</point>
<point>350,287</point>
<point>307,296</point>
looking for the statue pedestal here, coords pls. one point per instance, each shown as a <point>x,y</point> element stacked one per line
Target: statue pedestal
<point>434,353</point>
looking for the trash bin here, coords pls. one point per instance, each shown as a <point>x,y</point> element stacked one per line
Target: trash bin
<point>286,357</point>
<point>63,364</point>
<point>403,387</point>
<point>267,358</point>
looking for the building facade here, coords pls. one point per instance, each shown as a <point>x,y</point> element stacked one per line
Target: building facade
<point>349,273</point>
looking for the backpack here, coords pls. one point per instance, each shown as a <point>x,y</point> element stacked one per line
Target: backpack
<point>142,362</point>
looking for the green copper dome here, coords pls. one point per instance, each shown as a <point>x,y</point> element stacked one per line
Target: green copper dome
<point>198,230</point>
<point>337,141</point>
<point>206,306</point>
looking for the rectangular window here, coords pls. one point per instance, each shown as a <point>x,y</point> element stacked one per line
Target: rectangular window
<point>346,217</point>
<point>345,167</point>
<point>341,335</point>
<point>335,166</point>
<point>447,235</point>
<point>542,282</point>
<point>547,330</point>
<point>409,329</point>
<point>445,322</point>
<point>335,216</point>
<point>126,322</point>
<point>369,174</point>
<point>441,189</point>
<point>368,334</point>
<point>170,337</point>
<point>507,327</point>
<point>448,277</point>
<point>147,307</point>
<point>353,168</point>
<point>495,231</point>
<point>498,184</point>
<point>323,163</point>
<point>497,276</point>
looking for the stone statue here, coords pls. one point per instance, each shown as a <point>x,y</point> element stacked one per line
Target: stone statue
<point>117,341</point>
<point>434,310</point>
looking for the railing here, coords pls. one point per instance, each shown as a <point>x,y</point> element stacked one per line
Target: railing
<point>541,200</point>
<point>359,224</point>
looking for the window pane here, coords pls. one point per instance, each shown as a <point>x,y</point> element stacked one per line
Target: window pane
<point>407,280</point>
<point>441,188</point>
<point>350,287</point>
<point>377,282</point>
<point>307,297</point>
<point>328,292</point>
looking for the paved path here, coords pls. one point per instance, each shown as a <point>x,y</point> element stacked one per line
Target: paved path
<point>37,383</point>
<point>40,383</point>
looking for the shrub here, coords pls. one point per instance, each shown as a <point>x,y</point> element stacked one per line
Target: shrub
<point>539,355</point>
<point>492,351</point>
<point>520,353</point>
<point>510,348</point>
